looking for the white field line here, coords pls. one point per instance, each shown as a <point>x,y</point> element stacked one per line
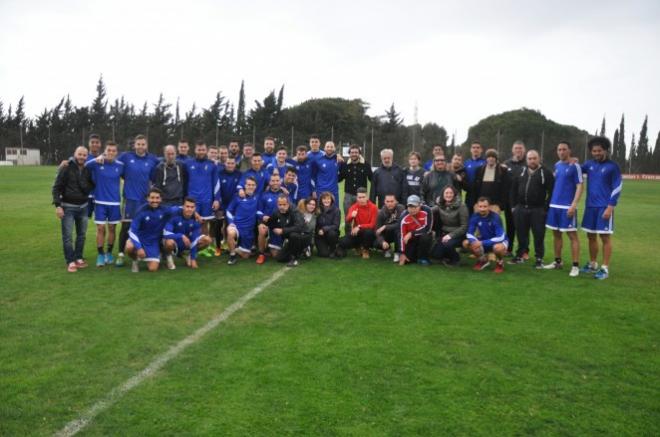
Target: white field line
<point>116,393</point>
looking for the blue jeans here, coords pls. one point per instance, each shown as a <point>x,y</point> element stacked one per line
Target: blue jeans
<point>78,216</point>
<point>448,250</point>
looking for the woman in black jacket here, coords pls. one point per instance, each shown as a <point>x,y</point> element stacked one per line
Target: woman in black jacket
<point>327,226</point>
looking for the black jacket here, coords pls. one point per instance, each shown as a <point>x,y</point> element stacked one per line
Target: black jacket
<point>532,190</point>
<point>290,222</point>
<point>329,220</point>
<point>386,180</point>
<point>411,183</point>
<point>355,176</point>
<point>171,180</point>
<point>390,219</point>
<point>72,185</point>
<point>499,192</point>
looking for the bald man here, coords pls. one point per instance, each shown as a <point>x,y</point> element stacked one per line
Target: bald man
<point>170,177</point>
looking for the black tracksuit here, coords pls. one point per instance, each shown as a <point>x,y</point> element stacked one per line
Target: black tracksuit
<point>530,198</point>
<point>515,167</point>
<point>295,235</point>
<point>354,175</point>
<point>389,219</point>
<point>329,221</point>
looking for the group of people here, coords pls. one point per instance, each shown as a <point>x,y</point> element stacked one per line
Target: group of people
<point>268,204</point>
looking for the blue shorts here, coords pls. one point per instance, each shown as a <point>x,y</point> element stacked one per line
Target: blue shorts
<point>130,209</point>
<point>152,252</point>
<point>245,239</point>
<point>594,223</point>
<point>110,214</point>
<point>179,247</point>
<point>205,209</point>
<point>488,245</point>
<point>558,220</point>
<point>275,241</point>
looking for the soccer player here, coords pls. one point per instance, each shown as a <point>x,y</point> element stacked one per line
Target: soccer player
<point>412,176</point>
<point>355,173</point>
<point>325,172</point>
<point>288,224</point>
<point>361,218</point>
<point>471,166</point>
<point>387,179</point>
<point>314,148</point>
<point>387,227</point>
<point>256,172</point>
<point>290,186</point>
<point>183,233</point>
<point>229,177</point>
<point>266,207</point>
<point>106,173</point>
<point>604,185</point>
<point>223,154</point>
<point>204,187</point>
<point>280,163</point>
<point>486,235</point>
<point>303,166</point>
<point>241,218</point>
<point>415,232</point>
<point>437,151</point>
<point>170,178</point>
<point>235,150</point>
<point>139,166</point>
<point>183,148</point>
<point>268,155</point>
<point>70,196</point>
<point>562,214</point>
<point>147,231</point>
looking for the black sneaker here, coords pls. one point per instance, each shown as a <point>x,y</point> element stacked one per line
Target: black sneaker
<point>292,263</point>
<point>232,260</point>
<point>538,264</point>
<point>516,260</point>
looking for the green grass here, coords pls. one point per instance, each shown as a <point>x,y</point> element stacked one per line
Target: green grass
<point>347,347</point>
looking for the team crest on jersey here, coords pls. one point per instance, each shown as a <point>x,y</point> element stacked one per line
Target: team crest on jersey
<point>147,218</point>
<point>180,224</point>
<point>132,161</point>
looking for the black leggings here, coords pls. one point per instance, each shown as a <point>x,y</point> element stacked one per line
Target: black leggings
<point>364,239</point>
<point>326,243</point>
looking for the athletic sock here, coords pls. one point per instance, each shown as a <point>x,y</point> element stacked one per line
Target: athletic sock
<point>100,250</point>
<point>576,264</point>
<point>604,267</point>
<point>110,248</point>
<point>558,260</point>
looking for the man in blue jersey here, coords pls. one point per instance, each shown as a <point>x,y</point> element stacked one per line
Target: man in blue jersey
<point>472,165</point>
<point>146,232</point>
<point>265,208</point>
<point>183,148</point>
<point>139,166</point>
<point>290,186</point>
<point>183,233</point>
<point>106,173</point>
<point>303,166</point>
<point>229,177</point>
<point>256,172</point>
<point>437,151</point>
<point>562,214</point>
<point>234,150</point>
<point>203,186</point>
<point>604,185</point>
<point>241,218</point>
<point>281,163</point>
<point>315,151</point>
<point>486,238</point>
<point>325,172</point>
<point>268,156</point>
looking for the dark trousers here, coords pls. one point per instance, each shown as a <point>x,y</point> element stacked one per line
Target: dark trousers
<point>364,239</point>
<point>74,216</point>
<point>530,219</point>
<point>448,250</point>
<point>390,237</point>
<point>293,246</point>
<point>510,227</point>
<point>418,247</point>
<point>326,243</point>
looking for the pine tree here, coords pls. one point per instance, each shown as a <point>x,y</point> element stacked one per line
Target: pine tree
<point>656,156</point>
<point>602,128</point>
<point>19,117</point>
<point>241,121</point>
<point>615,146</point>
<point>620,157</point>
<point>280,99</point>
<point>642,155</point>
<point>393,119</point>
<point>632,157</point>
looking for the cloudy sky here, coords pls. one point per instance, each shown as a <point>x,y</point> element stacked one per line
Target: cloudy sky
<point>457,60</point>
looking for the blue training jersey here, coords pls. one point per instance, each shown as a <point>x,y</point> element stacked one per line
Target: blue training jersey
<point>604,183</point>
<point>147,226</point>
<point>471,167</point>
<point>203,183</point>
<point>242,212</point>
<point>267,203</point>
<point>325,173</point>
<point>262,177</point>
<point>178,225</point>
<point>268,158</point>
<point>294,195</point>
<point>428,165</point>
<point>304,177</point>
<point>315,155</point>
<point>567,178</point>
<point>106,179</point>
<point>228,184</point>
<point>489,228</point>
<point>281,170</point>
<point>137,173</point>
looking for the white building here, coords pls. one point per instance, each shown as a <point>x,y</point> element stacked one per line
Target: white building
<point>23,156</point>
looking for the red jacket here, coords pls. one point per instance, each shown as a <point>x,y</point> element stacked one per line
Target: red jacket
<point>418,224</point>
<point>366,216</point>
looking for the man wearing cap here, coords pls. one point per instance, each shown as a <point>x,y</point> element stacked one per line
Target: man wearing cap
<point>415,232</point>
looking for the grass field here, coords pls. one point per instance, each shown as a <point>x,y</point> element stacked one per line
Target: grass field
<point>348,347</point>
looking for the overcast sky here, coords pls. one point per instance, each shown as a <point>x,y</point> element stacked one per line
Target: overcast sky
<point>459,60</point>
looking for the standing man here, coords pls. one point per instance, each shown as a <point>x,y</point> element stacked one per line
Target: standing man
<point>531,191</point>
<point>471,166</point>
<point>303,166</point>
<point>415,230</point>
<point>170,178</point>
<point>268,155</point>
<point>412,176</point>
<point>256,172</point>
<point>387,227</point>
<point>314,148</point>
<point>106,173</point>
<point>138,168</point>
<point>437,151</point>
<point>246,160</point>
<point>436,180</point>
<point>325,172</point>
<point>70,196</point>
<point>515,164</point>
<point>562,214</point>
<point>235,150</point>
<point>387,179</point>
<point>604,186</point>
<point>280,164</point>
<point>355,173</point>
<point>493,181</point>
<point>183,148</point>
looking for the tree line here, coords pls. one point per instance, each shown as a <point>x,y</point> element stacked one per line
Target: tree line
<point>58,130</point>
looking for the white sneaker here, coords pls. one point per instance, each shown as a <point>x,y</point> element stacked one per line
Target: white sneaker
<point>170,262</point>
<point>395,259</point>
<point>575,271</point>
<point>135,267</point>
<point>553,266</point>
<point>188,259</point>
<point>387,254</point>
